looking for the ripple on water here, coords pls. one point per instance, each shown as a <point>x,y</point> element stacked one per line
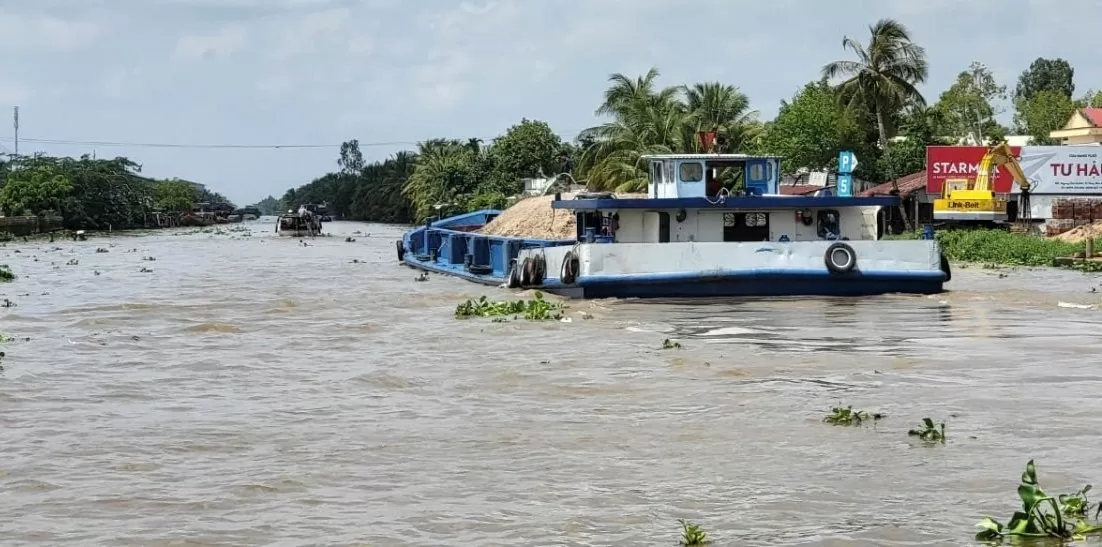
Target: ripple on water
<point>245,406</point>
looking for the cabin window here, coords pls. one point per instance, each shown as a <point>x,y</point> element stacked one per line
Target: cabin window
<point>829,224</point>
<point>745,226</point>
<point>691,171</point>
<point>669,172</point>
<point>656,171</point>
<point>757,171</point>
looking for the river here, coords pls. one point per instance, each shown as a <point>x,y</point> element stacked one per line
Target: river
<point>249,390</point>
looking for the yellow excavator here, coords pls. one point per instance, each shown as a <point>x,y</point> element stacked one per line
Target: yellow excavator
<point>974,200</point>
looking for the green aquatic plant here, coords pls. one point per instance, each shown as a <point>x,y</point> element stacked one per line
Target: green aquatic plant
<point>669,344</point>
<point>536,309</point>
<point>849,416</point>
<point>5,274</point>
<point>692,534</point>
<point>1076,504</point>
<point>1043,516</point>
<point>929,432</point>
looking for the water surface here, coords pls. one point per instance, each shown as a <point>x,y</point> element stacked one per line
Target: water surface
<point>250,390</point>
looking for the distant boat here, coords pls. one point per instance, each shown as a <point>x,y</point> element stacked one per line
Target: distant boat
<point>248,213</point>
<point>291,224</point>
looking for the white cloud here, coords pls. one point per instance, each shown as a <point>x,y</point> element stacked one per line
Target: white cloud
<point>21,32</point>
<point>12,93</point>
<point>224,43</point>
<point>322,71</point>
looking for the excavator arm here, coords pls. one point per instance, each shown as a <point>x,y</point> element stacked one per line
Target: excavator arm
<point>1001,156</point>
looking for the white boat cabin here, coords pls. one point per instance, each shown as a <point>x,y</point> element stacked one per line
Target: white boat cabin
<point>688,200</point>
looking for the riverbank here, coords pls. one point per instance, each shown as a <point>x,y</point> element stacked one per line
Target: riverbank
<point>997,248</point>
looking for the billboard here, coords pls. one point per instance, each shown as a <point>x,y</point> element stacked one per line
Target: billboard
<point>1051,169</point>
<point>961,162</point>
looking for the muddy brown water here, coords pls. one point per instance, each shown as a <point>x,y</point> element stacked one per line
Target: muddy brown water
<point>253,391</point>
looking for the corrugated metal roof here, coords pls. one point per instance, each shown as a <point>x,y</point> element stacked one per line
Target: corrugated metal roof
<point>1094,115</point>
<point>799,189</point>
<point>908,185</point>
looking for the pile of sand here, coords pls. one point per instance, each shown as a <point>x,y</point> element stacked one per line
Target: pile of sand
<point>534,218</point>
<point>1080,234</point>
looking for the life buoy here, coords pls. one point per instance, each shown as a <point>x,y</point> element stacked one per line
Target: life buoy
<point>945,268</point>
<point>568,274</point>
<point>526,272</point>
<point>401,250</point>
<point>840,258</point>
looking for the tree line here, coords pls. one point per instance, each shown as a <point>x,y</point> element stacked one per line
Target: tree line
<point>93,194</point>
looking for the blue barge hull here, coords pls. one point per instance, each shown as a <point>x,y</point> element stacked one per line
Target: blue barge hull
<point>452,246</point>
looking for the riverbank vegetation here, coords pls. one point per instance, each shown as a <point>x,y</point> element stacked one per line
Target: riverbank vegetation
<point>865,99</point>
<point>1001,247</point>
<point>93,194</point>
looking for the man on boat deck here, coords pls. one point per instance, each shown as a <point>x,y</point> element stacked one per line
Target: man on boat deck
<point>302,210</point>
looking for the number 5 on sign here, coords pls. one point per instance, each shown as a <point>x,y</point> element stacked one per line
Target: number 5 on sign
<point>845,186</point>
<point>847,162</point>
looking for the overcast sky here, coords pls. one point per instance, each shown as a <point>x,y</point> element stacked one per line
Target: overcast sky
<point>317,72</point>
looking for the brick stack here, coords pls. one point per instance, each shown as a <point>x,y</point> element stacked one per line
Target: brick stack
<point>1068,213</point>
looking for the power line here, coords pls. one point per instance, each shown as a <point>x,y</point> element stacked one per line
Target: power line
<point>213,146</point>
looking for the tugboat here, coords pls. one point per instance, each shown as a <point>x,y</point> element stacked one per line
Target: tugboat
<point>691,237</point>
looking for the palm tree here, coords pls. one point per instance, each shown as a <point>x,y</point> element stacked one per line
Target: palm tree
<point>647,119</point>
<point>721,108</point>
<point>885,73</point>
<point>442,173</point>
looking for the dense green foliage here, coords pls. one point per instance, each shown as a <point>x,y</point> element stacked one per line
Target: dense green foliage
<point>1001,247</point>
<point>443,176</point>
<point>93,193</point>
<point>867,102</point>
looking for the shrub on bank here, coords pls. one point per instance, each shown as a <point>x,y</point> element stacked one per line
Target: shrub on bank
<point>1001,247</point>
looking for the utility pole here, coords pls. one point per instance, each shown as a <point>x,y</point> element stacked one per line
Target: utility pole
<point>15,123</point>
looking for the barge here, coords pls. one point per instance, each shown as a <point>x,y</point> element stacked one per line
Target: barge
<point>690,237</point>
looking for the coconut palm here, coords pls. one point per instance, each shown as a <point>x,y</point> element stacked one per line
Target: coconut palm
<point>713,106</point>
<point>443,172</point>
<point>647,119</point>
<point>885,74</point>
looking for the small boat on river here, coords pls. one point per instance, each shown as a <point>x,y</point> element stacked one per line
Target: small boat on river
<point>292,224</point>
<point>690,237</point>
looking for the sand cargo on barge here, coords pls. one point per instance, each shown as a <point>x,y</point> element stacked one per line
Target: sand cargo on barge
<point>689,237</point>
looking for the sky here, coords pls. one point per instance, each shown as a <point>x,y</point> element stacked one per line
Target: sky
<point>112,77</point>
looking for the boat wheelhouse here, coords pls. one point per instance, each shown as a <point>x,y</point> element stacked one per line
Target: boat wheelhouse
<point>693,236</point>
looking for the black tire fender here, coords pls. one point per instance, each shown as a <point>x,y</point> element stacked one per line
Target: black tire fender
<point>401,250</point>
<point>568,274</point>
<point>512,280</point>
<point>945,268</point>
<point>526,272</point>
<point>843,251</point>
